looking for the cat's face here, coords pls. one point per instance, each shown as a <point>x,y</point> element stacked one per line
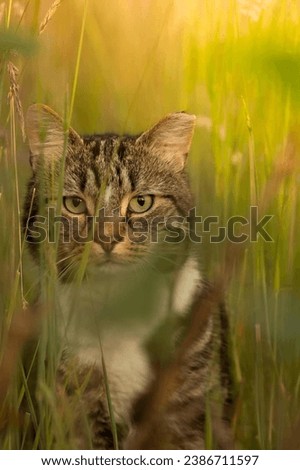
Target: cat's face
<point>123,200</point>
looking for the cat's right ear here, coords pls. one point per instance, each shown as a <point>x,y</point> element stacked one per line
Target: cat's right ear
<point>47,136</point>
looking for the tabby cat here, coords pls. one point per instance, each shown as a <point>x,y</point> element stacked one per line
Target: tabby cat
<point>128,286</point>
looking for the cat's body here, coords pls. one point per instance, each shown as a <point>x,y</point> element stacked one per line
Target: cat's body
<point>122,341</point>
<point>130,290</point>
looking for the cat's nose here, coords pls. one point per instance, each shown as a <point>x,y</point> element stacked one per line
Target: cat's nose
<point>108,246</point>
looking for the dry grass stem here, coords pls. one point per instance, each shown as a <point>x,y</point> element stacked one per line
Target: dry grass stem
<point>14,94</point>
<point>50,13</point>
<point>23,327</point>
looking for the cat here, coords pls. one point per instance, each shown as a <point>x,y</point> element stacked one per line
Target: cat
<point>128,283</point>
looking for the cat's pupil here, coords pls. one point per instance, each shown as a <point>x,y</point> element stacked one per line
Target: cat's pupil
<point>141,200</point>
<point>76,201</point>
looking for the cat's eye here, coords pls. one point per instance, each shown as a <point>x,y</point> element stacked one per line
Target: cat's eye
<point>140,204</point>
<point>74,204</point>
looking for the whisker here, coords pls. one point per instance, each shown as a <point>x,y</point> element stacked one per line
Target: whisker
<point>65,259</point>
<point>67,270</point>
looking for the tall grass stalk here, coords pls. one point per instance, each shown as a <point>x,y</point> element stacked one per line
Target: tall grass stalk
<point>8,14</point>
<point>78,57</point>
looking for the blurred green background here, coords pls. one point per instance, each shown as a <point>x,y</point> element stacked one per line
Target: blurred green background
<point>120,66</point>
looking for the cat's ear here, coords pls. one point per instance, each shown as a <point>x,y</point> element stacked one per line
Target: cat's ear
<point>171,138</point>
<point>47,136</point>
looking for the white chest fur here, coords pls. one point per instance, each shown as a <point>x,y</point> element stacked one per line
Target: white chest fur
<point>116,317</point>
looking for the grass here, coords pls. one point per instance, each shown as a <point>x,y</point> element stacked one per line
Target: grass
<point>121,66</point>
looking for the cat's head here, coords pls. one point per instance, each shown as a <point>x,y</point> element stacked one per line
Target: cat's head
<point>121,199</point>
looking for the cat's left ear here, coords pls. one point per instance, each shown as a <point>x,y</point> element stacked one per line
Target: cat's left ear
<point>171,138</point>
<point>47,136</point>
